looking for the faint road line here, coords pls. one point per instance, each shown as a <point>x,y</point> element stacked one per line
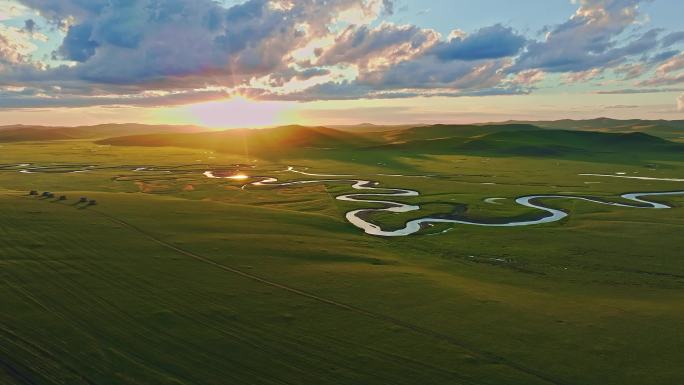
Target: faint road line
<point>381,317</point>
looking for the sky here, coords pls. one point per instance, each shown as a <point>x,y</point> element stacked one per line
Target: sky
<point>256,63</point>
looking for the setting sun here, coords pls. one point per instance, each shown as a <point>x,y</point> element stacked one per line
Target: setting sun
<point>237,111</point>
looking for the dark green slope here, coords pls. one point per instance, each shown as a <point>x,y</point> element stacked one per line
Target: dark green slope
<point>31,134</point>
<point>669,129</point>
<point>439,131</point>
<point>539,142</point>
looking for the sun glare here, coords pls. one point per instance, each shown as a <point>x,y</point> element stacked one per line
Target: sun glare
<point>238,112</point>
<point>239,177</point>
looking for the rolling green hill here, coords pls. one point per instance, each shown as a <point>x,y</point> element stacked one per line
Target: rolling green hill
<point>486,140</point>
<point>540,142</point>
<point>669,129</point>
<point>240,141</point>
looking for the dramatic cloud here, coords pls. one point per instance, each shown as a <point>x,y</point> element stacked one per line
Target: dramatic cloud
<point>667,73</point>
<point>588,39</point>
<point>11,97</point>
<point>663,62</point>
<point>583,76</point>
<point>9,10</point>
<point>529,77</point>
<point>149,41</point>
<point>663,81</point>
<point>430,72</point>
<point>493,42</point>
<point>631,71</point>
<point>385,45</point>
<point>674,64</point>
<point>15,46</point>
<point>405,61</point>
<point>144,52</point>
<point>281,78</point>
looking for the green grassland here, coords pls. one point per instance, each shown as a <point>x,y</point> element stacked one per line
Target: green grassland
<point>175,278</point>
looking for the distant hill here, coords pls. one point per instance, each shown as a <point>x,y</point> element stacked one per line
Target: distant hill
<point>442,131</point>
<point>257,141</point>
<point>485,140</point>
<point>30,134</point>
<point>370,127</point>
<point>541,142</point>
<point>21,133</point>
<point>590,139</point>
<point>669,129</point>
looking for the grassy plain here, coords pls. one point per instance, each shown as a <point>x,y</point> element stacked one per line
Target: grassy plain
<point>174,278</point>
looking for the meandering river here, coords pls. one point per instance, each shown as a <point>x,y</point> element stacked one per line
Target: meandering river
<point>378,195</point>
<point>370,192</point>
